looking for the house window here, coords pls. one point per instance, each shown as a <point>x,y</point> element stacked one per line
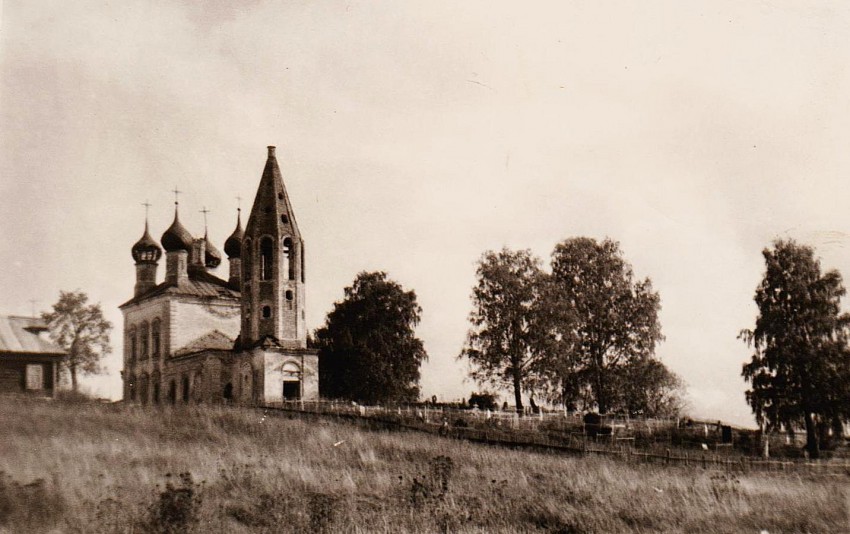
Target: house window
<point>266,258</point>
<point>267,312</point>
<point>35,377</point>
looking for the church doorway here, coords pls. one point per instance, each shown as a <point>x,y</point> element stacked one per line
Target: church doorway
<point>228,393</point>
<point>291,390</point>
<point>291,381</point>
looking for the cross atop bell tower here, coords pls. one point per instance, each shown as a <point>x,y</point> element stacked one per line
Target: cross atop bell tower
<point>272,267</point>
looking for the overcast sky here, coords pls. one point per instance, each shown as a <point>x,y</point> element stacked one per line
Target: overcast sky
<point>413,136</point>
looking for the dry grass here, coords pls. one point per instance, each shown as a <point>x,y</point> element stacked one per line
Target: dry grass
<point>95,468</point>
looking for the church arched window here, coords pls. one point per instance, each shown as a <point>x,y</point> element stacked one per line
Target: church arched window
<point>184,387</point>
<point>266,258</point>
<point>156,345</point>
<point>133,344</point>
<point>156,379</point>
<point>288,258</point>
<point>143,388</point>
<point>143,340</point>
<point>131,385</point>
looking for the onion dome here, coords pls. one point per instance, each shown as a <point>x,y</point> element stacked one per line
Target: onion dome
<point>177,237</point>
<point>146,249</point>
<point>233,245</point>
<point>212,256</point>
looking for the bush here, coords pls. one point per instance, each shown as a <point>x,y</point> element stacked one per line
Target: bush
<point>483,401</point>
<point>176,510</point>
<point>29,507</point>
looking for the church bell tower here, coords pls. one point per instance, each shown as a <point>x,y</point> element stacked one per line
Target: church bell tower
<point>272,265</point>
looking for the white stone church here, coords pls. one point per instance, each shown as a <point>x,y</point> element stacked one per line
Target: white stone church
<point>198,338</point>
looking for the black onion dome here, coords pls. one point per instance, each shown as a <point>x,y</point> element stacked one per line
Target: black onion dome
<point>233,245</point>
<point>177,237</point>
<point>146,249</point>
<point>212,256</point>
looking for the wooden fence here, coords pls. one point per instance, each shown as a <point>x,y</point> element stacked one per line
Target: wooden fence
<point>439,423</point>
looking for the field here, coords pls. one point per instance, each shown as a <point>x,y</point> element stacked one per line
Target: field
<point>111,468</point>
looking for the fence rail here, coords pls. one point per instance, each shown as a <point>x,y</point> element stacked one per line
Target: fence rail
<point>512,431</point>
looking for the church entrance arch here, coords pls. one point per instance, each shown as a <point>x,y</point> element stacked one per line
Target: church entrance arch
<point>291,381</point>
<point>228,393</point>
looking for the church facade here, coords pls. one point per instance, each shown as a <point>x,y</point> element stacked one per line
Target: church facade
<point>198,338</point>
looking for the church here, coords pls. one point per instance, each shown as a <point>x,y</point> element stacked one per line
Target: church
<point>198,338</point>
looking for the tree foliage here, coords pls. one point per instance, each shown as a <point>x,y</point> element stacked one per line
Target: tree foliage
<point>506,344</point>
<point>648,388</point>
<point>81,330</point>
<point>800,368</point>
<point>614,321</point>
<point>368,351</point>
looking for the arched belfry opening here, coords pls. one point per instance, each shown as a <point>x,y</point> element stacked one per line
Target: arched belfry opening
<point>288,258</point>
<point>266,258</point>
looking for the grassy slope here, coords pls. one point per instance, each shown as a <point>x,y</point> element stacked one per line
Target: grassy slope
<point>104,466</point>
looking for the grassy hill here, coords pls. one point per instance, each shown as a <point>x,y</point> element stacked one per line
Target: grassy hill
<point>111,468</point>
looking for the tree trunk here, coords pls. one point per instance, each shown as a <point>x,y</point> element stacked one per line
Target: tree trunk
<point>73,369</point>
<point>601,397</point>
<point>518,392</point>
<point>812,445</point>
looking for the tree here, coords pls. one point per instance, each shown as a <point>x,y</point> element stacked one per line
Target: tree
<point>368,351</point>
<point>614,318</point>
<point>81,330</point>
<point>506,345</point>
<point>799,368</point>
<point>647,387</point>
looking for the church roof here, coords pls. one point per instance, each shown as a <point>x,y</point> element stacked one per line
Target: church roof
<point>271,208</point>
<point>177,237</point>
<point>200,284</point>
<point>26,335</point>
<point>146,250</point>
<point>233,245</point>
<point>212,256</point>
<point>212,340</point>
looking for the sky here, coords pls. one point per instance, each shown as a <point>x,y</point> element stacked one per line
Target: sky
<point>414,136</point>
